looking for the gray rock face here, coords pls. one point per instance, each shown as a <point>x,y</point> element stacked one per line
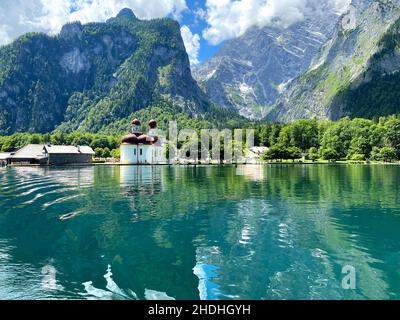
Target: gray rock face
<point>75,61</point>
<point>347,63</point>
<point>249,73</point>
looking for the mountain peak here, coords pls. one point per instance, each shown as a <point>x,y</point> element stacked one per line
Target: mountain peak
<point>72,29</point>
<point>94,75</point>
<point>124,14</point>
<point>127,13</point>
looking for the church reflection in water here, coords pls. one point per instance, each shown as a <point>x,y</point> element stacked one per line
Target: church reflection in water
<point>140,175</point>
<point>141,186</point>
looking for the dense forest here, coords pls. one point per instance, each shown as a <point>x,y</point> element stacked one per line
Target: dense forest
<point>347,139</point>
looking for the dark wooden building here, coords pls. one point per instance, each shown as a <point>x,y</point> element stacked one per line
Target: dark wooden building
<point>30,154</point>
<point>4,156</point>
<point>52,155</point>
<point>58,155</point>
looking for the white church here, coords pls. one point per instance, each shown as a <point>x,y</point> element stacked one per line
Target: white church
<point>140,148</point>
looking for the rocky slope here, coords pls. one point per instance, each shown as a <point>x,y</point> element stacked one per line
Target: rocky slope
<point>249,73</point>
<point>356,73</point>
<point>90,76</point>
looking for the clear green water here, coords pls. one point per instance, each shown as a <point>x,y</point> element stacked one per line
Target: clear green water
<point>273,232</point>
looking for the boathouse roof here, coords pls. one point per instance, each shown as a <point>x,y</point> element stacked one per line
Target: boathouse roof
<point>38,151</point>
<point>50,149</point>
<point>5,155</point>
<point>31,151</point>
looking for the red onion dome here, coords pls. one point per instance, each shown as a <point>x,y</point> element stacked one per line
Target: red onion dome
<point>136,122</point>
<point>130,139</point>
<point>152,124</point>
<point>145,139</point>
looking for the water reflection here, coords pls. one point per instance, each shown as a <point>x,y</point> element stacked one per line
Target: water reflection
<point>141,184</point>
<point>49,280</point>
<point>251,232</point>
<point>252,172</point>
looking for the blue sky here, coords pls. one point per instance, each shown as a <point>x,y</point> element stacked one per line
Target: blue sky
<point>197,26</point>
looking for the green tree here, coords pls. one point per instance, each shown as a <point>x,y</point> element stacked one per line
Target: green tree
<point>268,155</point>
<point>359,145</point>
<point>358,157</point>
<point>377,135</point>
<point>98,152</point>
<point>385,154</point>
<point>338,137</point>
<point>302,134</point>
<point>106,153</point>
<point>313,154</point>
<point>389,154</point>
<point>36,139</point>
<point>392,135</point>
<point>58,138</point>
<point>285,136</point>
<point>100,141</point>
<point>293,153</point>
<point>116,153</point>
<point>305,134</point>
<point>276,152</point>
<point>275,132</point>
<point>330,154</point>
<point>263,136</point>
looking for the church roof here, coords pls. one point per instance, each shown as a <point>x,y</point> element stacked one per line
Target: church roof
<point>137,138</point>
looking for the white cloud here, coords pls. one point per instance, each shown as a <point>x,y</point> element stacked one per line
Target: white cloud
<point>192,44</point>
<point>232,18</point>
<point>21,16</point>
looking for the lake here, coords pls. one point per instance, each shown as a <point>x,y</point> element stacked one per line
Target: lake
<point>251,232</point>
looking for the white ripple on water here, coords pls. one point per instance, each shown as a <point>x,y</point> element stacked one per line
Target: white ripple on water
<point>70,215</point>
<point>246,234</point>
<point>156,295</point>
<point>41,195</point>
<point>49,280</point>
<point>37,189</point>
<point>285,239</point>
<point>112,292</point>
<point>61,200</point>
<point>15,187</point>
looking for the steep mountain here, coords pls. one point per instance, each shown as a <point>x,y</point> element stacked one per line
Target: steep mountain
<point>356,73</point>
<point>90,76</point>
<point>250,72</point>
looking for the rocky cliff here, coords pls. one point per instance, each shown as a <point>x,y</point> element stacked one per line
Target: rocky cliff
<point>249,73</point>
<point>357,72</point>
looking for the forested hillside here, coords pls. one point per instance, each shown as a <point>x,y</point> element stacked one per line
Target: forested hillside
<point>90,76</point>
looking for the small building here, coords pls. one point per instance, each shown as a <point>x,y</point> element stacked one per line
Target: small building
<point>254,154</point>
<point>4,156</point>
<point>30,154</point>
<point>58,155</point>
<point>52,155</point>
<point>140,148</point>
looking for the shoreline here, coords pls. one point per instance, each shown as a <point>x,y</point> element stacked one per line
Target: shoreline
<point>117,164</point>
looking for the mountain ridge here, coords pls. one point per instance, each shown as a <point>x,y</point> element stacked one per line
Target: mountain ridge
<point>348,75</point>
<point>91,75</point>
<point>249,73</point>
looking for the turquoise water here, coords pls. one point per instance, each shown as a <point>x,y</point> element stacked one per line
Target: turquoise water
<point>252,232</point>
